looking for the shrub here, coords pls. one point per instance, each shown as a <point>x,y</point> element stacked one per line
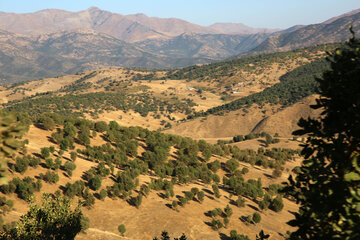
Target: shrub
<point>256,217</point>
<point>73,155</point>
<point>200,196</point>
<point>34,162</point>
<point>216,224</point>
<point>95,183</point>
<point>122,229</point>
<point>228,211</point>
<point>45,152</point>
<point>69,167</point>
<point>277,204</point>
<point>189,195</point>
<point>21,165</point>
<point>49,163</point>
<point>240,202</point>
<point>216,190</point>
<point>50,177</point>
<point>102,194</point>
<point>235,236</point>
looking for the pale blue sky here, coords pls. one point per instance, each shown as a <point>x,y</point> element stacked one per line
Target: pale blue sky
<point>255,13</point>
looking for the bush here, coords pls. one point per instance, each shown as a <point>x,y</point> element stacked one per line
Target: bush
<point>235,236</point>
<point>74,189</point>
<point>69,167</point>
<point>102,194</point>
<point>136,201</point>
<point>276,173</point>
<point>122,229</point>
<point>50,177</point>
<point>49,163</point>
<point>174,204</point>
<point>95,183</point>
<point>73,155</point>
<point>200,196</point>
<point>34,162</point>
<point>277,204</point>
<point>189,195</point>
<point>231,165</point>
<point>256,217</point>
<point>265,203</point>
<point>240,202</point>
<point>245,170</point>
<point>216,190</point>
<point>45,152</point>
<point>21,165</point>
<point>228,211</point>
<point>216,224</point>
<point>226,222</point>
<point>89,199</point>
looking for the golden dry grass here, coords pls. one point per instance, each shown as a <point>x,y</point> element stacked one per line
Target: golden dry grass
<point>154,215</point>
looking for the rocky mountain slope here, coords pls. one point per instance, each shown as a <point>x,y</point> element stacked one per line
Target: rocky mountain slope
<point>333,30</point>
<point>130,28</point>
<point>53,42</point>
<point>239,28</point>
<point>29,58</point>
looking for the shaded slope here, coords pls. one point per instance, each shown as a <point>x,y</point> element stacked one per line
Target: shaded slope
<point>293,86</point>
<point>335,30</point>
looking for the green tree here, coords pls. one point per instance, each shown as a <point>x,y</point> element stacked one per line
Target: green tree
<point>277,204</point>
<point>69,167</point>
<point>48,123</point>
<point>235,236</point>
<point>103,194</point>
<point>122,229</point>
<point>95,183</point>
<point>73,155</point>
<point>256,217</point>
<point>53,220</point>
<point>45,152</point>
<point>228,211</point>
<point>327,185</point>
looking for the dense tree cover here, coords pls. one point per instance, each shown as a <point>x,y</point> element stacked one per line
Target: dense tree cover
<point>327,184</point>
<point>95,103</point>
<point>293,86</point>
<point>226,68</point>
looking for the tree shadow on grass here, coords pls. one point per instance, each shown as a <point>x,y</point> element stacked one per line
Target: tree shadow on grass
<point>223,236</point>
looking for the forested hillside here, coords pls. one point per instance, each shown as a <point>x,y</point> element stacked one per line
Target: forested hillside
<point>293,86</point>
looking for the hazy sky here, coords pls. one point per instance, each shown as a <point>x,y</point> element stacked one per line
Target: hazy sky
<point>255,13</point>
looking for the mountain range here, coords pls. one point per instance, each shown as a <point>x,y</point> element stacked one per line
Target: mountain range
<point>55,42</point>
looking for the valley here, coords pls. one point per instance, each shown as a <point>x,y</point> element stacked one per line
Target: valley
<point>147,124</point>
<point>143,103</point>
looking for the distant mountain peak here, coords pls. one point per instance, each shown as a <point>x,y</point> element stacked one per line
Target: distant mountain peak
<point>341,16</point>
<point>240,28</point>
<point>93,8</point>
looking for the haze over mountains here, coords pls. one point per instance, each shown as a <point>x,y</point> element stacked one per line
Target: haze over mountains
<point>130,28</point>
<point>56,42</point>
